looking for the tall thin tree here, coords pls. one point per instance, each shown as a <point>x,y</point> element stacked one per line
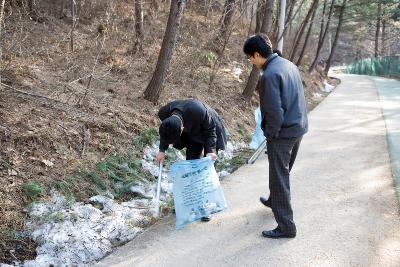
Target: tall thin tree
<point>339,28</point>
<point>1,30</point>
<point>383,38</point>
<point>378,27</point>
<point>322,37</point>
<point>275,22</point>
<point>156,85</point>
<point>252,81</point>
<point>1,17</point>
<point>268,16</point>
<point>300,59</point>
<point>73,4</point>
<point>138,25</point>
<point>259,14</point>
<point>226,21</point>
<point>289,19</point>
<point>303,26</point>
<point>251,18</point>
<point>282,15</point>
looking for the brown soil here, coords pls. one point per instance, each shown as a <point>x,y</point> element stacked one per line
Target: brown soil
<point>51,125</point>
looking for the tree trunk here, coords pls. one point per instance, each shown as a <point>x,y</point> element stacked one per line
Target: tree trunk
<point>283,10</point>
<point>138,25</point>
<point>252,82</point>
<point>73,25</point>
<point>1,31</point>
<point>383,41</point>
<point>259,16</point>
<point>251,19</point>
<point>322,40</point>
<point>307,37</point>
<point>268,15</point>
<point>339,27</point>
<point>303,26</point>
<point>62,8</point>
<point>156,85</point>
<point>251,85</point>
<point>378,28</point>
<point>226,21</point>
<point>289,14</point>
<point>321,31</point>
<point>275,27</point>
<point>289,8</point>
<point>1,17</point>
<point>289,19</point>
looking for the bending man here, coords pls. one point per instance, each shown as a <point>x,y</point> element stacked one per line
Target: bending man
<point>193,125</point>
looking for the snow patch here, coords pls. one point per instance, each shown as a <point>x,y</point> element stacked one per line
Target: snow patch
<point>328,88</point>
<point>79,234</point>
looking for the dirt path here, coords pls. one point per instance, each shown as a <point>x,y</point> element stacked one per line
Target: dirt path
<point>343,196</point>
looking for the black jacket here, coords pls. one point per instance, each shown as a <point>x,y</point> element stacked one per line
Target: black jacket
<point>282,101</point>
<point>201,123</point>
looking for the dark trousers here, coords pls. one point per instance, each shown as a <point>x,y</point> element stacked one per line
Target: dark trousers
<point>194,150</point>
<point>282,153</point>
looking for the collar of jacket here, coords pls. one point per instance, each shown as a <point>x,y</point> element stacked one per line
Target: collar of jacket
<point>269,60</point>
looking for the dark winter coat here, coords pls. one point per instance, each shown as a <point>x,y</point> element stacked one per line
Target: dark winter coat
<point>201,123</point>
<point>282,102</point>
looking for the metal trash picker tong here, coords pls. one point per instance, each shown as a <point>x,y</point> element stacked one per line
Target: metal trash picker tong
<point>258,152</point>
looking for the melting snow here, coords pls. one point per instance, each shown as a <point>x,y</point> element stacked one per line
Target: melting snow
<point>79,234</point>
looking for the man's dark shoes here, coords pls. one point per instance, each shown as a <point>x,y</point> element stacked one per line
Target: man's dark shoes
<point>206,218</point>
<point>265,202</point>
<point>277,233</point>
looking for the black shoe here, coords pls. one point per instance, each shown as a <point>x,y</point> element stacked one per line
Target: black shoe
<point>277,233</point>
<point>265,202</point>
<point>206,218</point>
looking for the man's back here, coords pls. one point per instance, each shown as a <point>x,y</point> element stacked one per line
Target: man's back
<point>282,98</point>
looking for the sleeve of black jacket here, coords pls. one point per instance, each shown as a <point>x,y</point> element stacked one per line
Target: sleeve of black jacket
<point>272,105</point>
<point>209,132</point>
<point>164,113</point>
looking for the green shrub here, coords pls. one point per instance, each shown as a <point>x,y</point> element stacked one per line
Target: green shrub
<point>211,57</point>
<point>147,137</point>
<point>33,189</point>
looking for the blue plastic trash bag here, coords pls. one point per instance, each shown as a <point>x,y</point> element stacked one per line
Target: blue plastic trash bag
<point>258,136</point>
<point>197,191</point>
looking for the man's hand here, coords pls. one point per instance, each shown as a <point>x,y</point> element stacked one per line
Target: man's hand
<point>160,157</point>
<point>212,155</point>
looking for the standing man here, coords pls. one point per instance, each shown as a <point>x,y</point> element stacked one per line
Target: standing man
<point>284,122</point>
<point>194,125</point>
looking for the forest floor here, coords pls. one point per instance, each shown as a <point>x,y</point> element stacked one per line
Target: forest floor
<point>54,128</point>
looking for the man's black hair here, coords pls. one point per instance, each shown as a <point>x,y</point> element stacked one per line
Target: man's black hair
<point>258,43</point>
<point>170,129</point>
